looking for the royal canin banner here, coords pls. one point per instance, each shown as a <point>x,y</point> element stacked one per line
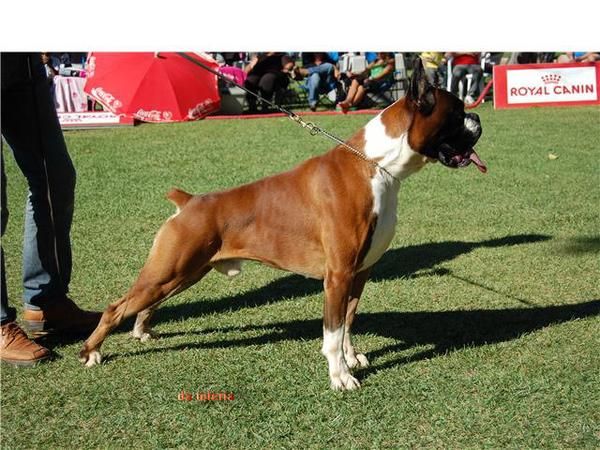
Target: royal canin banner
<point>518,86</point>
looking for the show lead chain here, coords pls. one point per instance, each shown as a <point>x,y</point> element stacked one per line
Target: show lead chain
<point>311,127</point>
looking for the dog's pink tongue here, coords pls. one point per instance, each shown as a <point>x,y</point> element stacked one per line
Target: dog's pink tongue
<point>478,162</point>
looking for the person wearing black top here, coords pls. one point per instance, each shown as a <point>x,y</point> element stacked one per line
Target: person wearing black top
<point>267,76</point>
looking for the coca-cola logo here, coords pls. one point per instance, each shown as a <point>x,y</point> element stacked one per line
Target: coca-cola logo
<point>106,98</point>
<point>153,115</point>
<point>200,110</point>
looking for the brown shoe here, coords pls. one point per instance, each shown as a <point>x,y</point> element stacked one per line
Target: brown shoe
<point>61,315</point>
<point>17,349</point>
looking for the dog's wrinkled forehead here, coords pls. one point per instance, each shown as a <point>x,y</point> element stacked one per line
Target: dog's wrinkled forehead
<point>445,118</point>
<point>450,109</point>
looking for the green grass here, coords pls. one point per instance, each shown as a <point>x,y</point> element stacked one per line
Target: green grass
<point>481,322</point>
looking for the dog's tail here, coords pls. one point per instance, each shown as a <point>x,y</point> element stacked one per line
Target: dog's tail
<point>179,197</point>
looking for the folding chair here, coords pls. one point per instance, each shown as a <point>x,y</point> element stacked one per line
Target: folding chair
<point>297,94</point>
<point>397,89</point>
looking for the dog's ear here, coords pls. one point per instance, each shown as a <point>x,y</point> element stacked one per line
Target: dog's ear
<point>420,91</point>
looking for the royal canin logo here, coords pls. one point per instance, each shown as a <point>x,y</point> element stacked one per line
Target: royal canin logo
<point>552,78</point>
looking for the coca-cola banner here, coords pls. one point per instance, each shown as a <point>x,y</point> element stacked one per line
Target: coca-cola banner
<point>525,85</point>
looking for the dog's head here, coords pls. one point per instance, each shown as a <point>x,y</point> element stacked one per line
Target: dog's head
<point>441,130</point>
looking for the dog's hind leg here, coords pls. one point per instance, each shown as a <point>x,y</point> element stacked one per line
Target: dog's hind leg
<point>141,328</point>
<point>172,266</point>
<point>354,359</point>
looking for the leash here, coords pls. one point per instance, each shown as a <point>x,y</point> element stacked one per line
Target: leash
<point>311,127</point>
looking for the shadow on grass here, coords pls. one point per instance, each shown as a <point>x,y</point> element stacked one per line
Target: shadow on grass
<point>442,332</point>
<point>396,263</point>
<point>583,244</point>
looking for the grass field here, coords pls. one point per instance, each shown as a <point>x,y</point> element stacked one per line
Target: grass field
<point>481,322</point>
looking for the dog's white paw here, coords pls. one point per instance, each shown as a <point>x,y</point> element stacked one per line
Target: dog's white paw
<point>344,383</point>
<point>359,361</point>
<point>92,359</point>
<point>347,383</point>
<point>143,336</point>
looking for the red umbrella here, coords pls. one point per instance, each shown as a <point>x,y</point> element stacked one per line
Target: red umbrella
<point>153,87</point>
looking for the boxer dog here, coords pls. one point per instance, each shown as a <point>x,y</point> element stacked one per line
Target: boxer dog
<point>330,218</point>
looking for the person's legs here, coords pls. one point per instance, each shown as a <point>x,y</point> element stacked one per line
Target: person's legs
<point>319,78</point>
<point>477,73</point>
<point>7,314</point>
<point>15,347</point>
<point>31,129</point>
<point>251,84</point>
<point>272,82</point>
<point>312,84</point>
<point>360,95</point>
<point>352,90</point>
<point>266,87</point>
<point>326,73</point>
<point>458,73</point>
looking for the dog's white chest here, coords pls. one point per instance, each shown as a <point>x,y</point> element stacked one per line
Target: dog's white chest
<point>385,203</point>
<point>399,160</point>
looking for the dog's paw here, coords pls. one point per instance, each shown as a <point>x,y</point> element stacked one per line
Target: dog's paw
<point>344,383</point>
<point>90,359</point>
<point>358,361</point>
<point>143,336</point>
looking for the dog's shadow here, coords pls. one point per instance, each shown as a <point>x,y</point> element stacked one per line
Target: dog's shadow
<point>397,263</point>
<point>419,335</point>
<point>430,333</point>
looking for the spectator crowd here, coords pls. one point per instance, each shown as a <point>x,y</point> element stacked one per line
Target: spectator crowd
<point>326,81</point>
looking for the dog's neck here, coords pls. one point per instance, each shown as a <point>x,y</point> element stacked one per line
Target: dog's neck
<point>386,141</point>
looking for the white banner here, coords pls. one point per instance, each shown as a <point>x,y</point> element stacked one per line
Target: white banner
<point>566,84</point>
<point>92,119</point>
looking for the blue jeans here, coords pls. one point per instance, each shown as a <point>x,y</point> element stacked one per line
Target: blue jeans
<point>30,127</point>
<point>320,80</point>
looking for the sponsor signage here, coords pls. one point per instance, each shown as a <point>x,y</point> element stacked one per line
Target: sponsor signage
<point>92,119</point>
<point>546,85</point>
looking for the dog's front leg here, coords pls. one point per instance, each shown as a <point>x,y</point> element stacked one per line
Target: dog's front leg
<point>354,359</point>
<point>337,289</point>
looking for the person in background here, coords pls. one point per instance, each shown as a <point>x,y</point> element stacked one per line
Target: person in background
<point>575,57</point>
<point>321,76</point>
<point>65,60</point>
<point>267,75</point>
<point>377,77</point>
<point>432,62</point>
<point>50,64</point>
<point>527,58</point>
<point>463,64</point>
<point>30,127</point>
